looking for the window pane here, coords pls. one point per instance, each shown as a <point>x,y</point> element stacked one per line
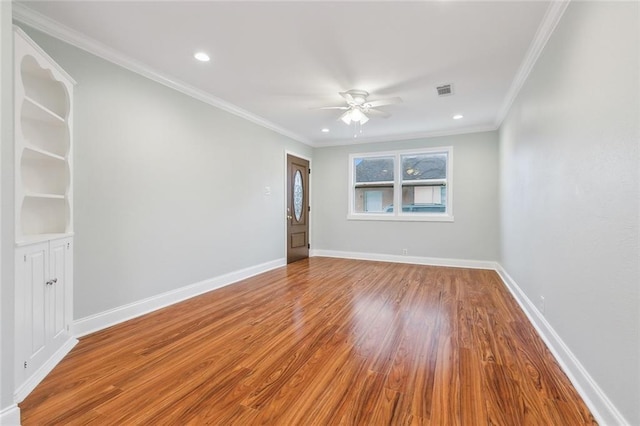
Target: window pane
<point>298,195</point>
<point>374,169</point>
<point>373,185</point>
<point>424,166</point>
<point>373,200</point>
<point>424,199</point>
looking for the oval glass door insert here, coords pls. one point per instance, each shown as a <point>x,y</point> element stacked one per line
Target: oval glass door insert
<point>298,193</point>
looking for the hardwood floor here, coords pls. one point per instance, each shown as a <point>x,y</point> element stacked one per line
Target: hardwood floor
<point>319,342</point>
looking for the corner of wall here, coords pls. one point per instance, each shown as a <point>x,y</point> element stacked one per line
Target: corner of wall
<point>8,411</point>
<point>102,320</point>
<point>601,407</point>
<point>10,416</point>
<point>414,260</point>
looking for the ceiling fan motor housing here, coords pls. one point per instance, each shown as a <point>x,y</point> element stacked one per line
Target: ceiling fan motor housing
<point>359,96</point>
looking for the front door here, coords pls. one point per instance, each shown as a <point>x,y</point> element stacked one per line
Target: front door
<point>297,208</point>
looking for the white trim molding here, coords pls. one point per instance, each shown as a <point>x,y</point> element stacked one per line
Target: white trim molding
<point>547,26</point>
<point>601,407</point>
<point>10,416</point>
<point>416,260</point>
<point>603,410</point>
<point>406,137</point>
<point>123,313</point>
<point>25,389</point>
<point>25,15</point>
<point>40,22</point>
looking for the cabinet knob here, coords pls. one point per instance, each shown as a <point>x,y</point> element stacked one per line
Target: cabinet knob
<point>52,282</point>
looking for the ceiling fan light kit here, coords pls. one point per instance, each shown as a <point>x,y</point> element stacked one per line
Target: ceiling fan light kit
<point>358,108</point>
<point>354,115</point>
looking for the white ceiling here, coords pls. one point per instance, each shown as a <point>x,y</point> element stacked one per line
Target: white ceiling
<point>273,62</point>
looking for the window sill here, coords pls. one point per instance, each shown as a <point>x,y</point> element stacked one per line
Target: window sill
<point>402,218</point>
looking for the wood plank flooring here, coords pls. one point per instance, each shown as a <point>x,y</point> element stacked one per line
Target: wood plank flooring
<point>319,342</point>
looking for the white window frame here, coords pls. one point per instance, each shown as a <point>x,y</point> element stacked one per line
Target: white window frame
<point>398,214</point>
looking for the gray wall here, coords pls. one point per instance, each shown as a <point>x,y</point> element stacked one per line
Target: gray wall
<point>569,192</point>
<point>473,235</point>
<point>6,210</point>
<point>169,191</point>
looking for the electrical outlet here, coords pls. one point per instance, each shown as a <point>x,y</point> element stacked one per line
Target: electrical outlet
<point>541,305</point>
<point>405,252</point>
<point>267,190</point>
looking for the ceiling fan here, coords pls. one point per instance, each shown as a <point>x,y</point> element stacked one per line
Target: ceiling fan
<point>358,108</point>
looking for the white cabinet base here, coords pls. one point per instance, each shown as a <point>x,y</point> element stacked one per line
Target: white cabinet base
<point>25,389</point>
<point>43,310</point>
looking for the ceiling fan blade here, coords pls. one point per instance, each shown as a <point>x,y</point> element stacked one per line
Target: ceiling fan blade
<point>332,107</point>
<point>378,113</point>
<point>382,102</point>
<point>347,96</point>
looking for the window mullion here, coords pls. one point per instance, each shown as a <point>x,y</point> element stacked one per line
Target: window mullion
<point>397,187</point>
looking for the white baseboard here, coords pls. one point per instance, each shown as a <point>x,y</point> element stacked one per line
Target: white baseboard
<point>10,416</point>
<point>120,314</point>
<point>25,389</point>
<point>417,260</point>
<point>601,407</point>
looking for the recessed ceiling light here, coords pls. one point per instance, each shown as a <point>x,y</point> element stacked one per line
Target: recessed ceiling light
<point>325,130</point>
<point>457,116</point>
<point>201,56</point>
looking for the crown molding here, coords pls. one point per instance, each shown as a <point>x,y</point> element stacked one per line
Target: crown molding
<point>547,26</point>
<point>40,22</point>
<point>405,137</point>
<point>44,54</point>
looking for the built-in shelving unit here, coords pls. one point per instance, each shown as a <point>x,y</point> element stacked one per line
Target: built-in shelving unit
<point>43,96</point>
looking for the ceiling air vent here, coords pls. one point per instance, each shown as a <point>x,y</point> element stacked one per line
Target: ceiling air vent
<point>444,90</point>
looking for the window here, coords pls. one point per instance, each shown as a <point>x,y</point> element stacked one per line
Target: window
<point>418,181</point>
<point>373,184</point>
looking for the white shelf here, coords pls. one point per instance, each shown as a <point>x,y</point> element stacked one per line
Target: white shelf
<point>43,136</point>
<point>43,195</point>
<point>44,216</point>
<point>43,143</point>
<point>42,87</point>
<point>39,112</point>
<point>44,152</point>
<point>33,239</point>
<point>43,174</point>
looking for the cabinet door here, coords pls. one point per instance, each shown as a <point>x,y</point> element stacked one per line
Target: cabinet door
<point>32,297</point>
<point>58,292</point>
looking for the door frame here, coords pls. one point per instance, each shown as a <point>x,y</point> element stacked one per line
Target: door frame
<point>284,207</point>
